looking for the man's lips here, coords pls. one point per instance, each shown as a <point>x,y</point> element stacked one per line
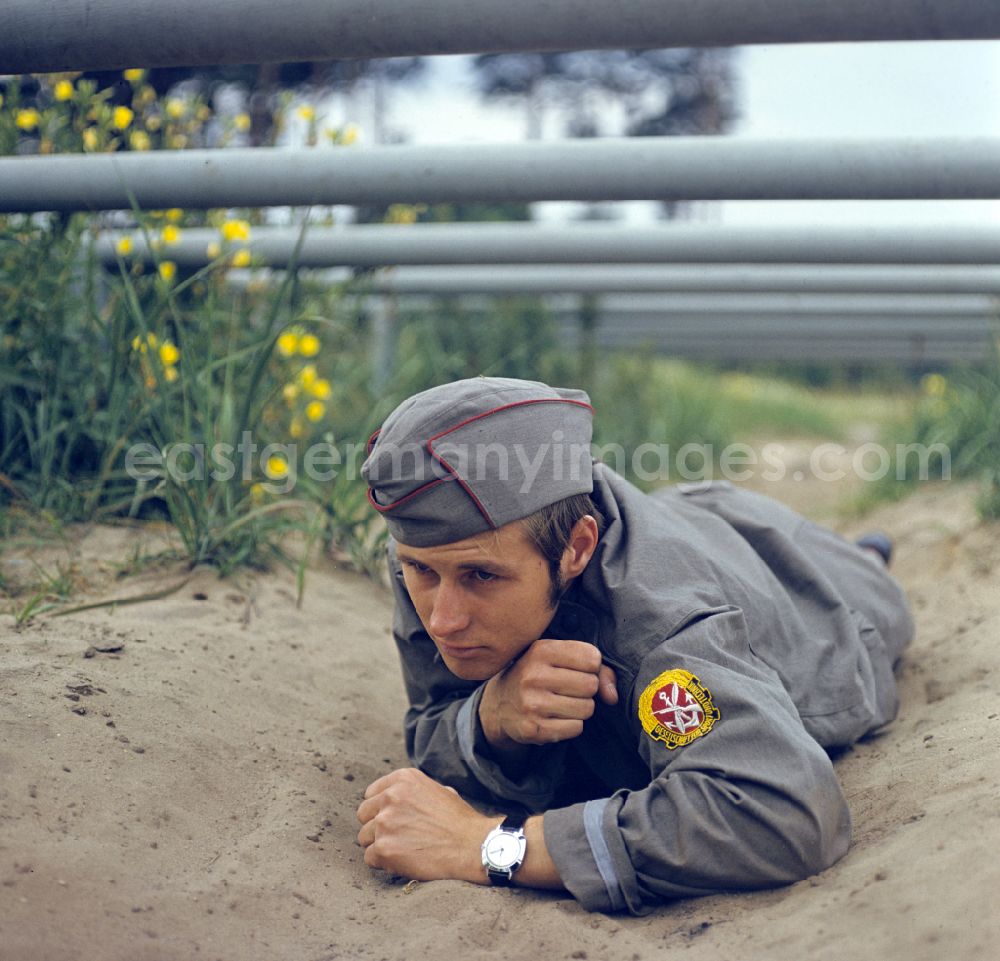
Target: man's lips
<point>460,651</point>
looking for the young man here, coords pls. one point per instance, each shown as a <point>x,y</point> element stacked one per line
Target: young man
<point>648,682</point>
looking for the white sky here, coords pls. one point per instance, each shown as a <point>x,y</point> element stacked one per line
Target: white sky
<point>809,90</point>
<point>870,90</point>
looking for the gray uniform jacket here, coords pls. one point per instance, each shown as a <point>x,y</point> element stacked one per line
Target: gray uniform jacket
<point>745,639</point>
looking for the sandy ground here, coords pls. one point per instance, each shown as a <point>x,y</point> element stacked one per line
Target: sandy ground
<point>189,792</point>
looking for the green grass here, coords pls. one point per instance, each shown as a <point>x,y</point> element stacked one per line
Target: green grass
<point>755,404</point>
<point>957,419</point>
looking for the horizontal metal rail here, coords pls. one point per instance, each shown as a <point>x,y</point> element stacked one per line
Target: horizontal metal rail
<point>642,278</point>
<point>895,352</point>
<point>850,338</point>
<point>646,168</point>
<point>746,305</point>
<point>848,324</point>
<point>50,35</point>
<point>864,340</point>
<point>382,245</point>
<point>858,327</point>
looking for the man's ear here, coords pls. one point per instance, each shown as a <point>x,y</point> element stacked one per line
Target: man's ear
<point>580,548</point>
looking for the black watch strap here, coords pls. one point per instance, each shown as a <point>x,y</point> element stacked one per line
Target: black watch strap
<point>514,822</point>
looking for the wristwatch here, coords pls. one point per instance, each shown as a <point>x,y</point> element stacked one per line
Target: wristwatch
<point>503,849</point>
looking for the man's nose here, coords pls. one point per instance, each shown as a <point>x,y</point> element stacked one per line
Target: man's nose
<point>449,616</point>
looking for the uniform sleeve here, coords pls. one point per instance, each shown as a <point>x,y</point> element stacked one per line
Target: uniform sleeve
<point>444,737</point>
<point>749,801</point>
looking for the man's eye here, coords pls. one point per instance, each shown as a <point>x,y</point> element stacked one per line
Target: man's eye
<point>418,568</point>
<point>484,576</point>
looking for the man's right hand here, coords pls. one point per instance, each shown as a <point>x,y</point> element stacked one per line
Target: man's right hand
<point>546,694</point>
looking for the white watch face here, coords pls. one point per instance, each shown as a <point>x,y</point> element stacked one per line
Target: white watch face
<point>503,850</point>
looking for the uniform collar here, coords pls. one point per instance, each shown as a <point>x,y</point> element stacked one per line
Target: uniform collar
<point>574,621</point>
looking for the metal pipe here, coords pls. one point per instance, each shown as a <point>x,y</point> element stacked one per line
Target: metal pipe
<point>859,327</point>
<point>642,278</point>
<point>894,353</point>
<point>747,305</point>
<point>383,244</point>
<point>876,340</point>
<point>50,35</point>
<point>856,324</point>
<point>641,168</point>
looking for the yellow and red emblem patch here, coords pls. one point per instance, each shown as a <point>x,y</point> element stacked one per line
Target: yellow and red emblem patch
<point>675,708</point>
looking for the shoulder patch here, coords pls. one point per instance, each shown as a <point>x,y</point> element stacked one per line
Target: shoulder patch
<point>676,708</point>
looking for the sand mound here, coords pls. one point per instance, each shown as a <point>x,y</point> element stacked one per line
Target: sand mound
<point>188,790</point>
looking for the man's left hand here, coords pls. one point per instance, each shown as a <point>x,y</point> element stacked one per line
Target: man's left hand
<point>420,829</point>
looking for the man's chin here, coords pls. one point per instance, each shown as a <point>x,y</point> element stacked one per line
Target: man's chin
<point>470,665</point>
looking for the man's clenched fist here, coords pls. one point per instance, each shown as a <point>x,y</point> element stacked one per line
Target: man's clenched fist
<point>546,694</point>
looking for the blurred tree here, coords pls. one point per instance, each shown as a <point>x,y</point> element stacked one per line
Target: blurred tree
<point>658,93</point>
<point>661,92</point>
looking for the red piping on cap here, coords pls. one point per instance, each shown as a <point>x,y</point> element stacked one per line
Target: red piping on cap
<point>420,490</point>
<point>469,420</point>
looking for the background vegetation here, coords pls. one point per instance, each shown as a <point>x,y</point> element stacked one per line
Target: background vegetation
<point>95,362</point>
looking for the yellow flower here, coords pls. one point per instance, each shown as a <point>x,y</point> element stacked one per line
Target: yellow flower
<point>90,139</point>
<point>124,246</point>
<point>139,140</point>
<point>307,376</point>
<point>168,270</point>
<point>288,342</point>
<point>174,215</point>
<point>203,113</point>
<point>121,117</point>
<point>934,385</point>
<point>146,96</point>
<point>257,493</point>
<point>242,122</point>
<point>401,214</point>
<point>241,258</point>
<point>295,428</point>
<point>169,354</point>
<point>349,135</point>
<point>309,345</point>
<point>306,112</point>
<point>63,90</point>
<point>175,108</point>
<point>170,374</point>
<point>27,119</point>
<point>235,230</point>
<point>277,467</point>
<point>290,392</point>
<point>151,341</point>
<point>213,250</point>
<point>171,234</point>
<point>154,122</point>
<point>133,75</point>
<point>177,141</point>
<point>320,389</point>
<point>315,410</point>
